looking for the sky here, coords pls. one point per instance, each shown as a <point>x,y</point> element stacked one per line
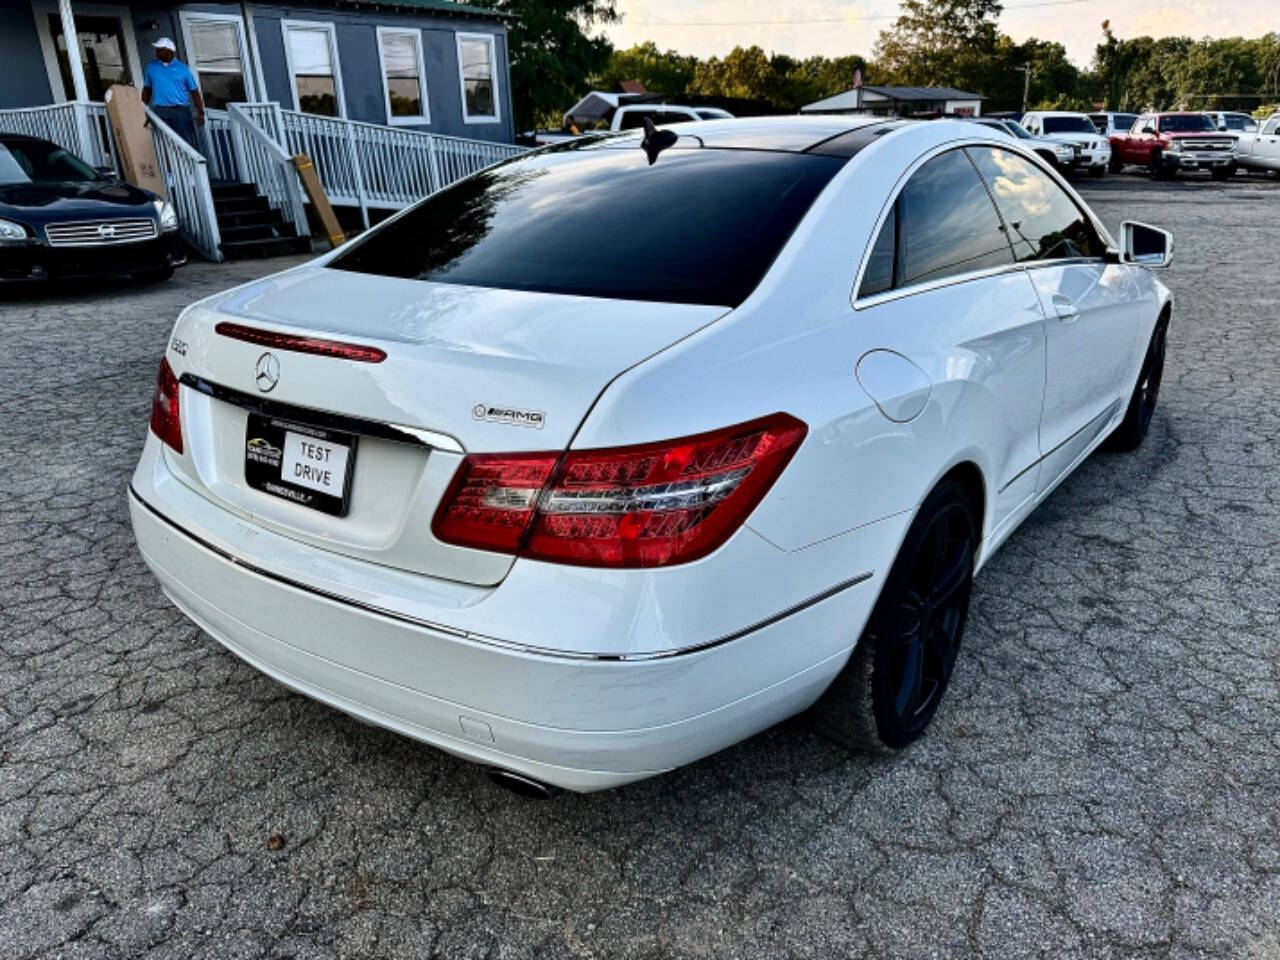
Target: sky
<point>837,27</point>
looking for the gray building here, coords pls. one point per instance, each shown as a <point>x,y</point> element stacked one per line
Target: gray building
<point>428,65</point>
<point>900,101</point>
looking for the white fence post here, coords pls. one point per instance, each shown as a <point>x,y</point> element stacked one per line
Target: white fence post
<point>356,169</point>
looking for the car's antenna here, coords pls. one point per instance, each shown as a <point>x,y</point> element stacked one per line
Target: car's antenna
<point>655,140</point>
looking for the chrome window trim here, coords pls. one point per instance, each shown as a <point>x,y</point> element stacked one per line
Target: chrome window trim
<point>875,299</point>
<point>395,432</point>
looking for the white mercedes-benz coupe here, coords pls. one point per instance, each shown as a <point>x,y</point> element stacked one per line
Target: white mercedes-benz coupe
<point>609,456</point>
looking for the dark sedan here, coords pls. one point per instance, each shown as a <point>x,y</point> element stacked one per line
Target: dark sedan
<point>61,218</point>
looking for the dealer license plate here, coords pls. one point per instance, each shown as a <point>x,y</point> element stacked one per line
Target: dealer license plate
<point>310,466</point>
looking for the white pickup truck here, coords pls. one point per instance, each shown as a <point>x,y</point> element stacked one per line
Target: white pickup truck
<point>1261,150</point>
<point>600,111</point>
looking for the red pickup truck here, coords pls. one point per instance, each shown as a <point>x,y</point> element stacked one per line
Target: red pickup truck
<point>1165,143</point>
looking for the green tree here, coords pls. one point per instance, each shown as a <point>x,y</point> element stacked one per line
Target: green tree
<point>940,43</point>
<point>552,53</point>
<point>745,72</point>
<point>661,71</point>
<point>816,78</point>
<point>780,80</point>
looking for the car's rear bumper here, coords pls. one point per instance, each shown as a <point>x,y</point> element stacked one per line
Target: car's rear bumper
<point>35,262</point>
<point>581,725</point>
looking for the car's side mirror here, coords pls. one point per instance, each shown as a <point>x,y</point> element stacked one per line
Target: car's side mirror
<point>1145,245</point>
<point>1222,124</point>
<point>1148,129</point>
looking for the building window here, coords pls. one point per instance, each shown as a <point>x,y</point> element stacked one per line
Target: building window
<point>313,67</point>
<point>215,46</point>
<point>477,69</point>
<point>403,80</point>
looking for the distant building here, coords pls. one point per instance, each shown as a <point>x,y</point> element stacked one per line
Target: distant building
<point>900,101</point>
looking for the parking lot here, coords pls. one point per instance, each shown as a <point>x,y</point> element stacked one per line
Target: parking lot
<point>1102,780</point>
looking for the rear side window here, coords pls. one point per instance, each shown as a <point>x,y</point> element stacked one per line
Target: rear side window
<point>943,224</point>
<point>947,222</point>
<point>1041,220</point>
<point>597,220</point>
<point>878,276</point>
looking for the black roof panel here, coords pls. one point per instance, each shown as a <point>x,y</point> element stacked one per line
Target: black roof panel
<point>791,134</point>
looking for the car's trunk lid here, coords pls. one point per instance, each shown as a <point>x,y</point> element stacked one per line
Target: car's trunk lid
<point>495,370</point>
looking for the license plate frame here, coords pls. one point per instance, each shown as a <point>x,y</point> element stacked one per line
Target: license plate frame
<point>264,462</point>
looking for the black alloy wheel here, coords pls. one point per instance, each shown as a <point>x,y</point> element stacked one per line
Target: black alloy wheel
<point>892,685</point>
<point>1142,404</point>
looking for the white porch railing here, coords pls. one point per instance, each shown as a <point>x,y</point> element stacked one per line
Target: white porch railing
<point>359,164</point>
<point>219,146</point>
<point>369,165</point>
<point>186,178</point>
<point>263,162</point>
<point>79,126</point>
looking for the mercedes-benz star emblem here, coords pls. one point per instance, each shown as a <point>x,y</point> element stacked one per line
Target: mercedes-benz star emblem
<point>267,372</point>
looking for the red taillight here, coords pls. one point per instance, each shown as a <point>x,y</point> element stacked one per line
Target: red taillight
<point>288,341</point>
<point>491,500</point>
<point>165,422</point>
<point>644,506</point>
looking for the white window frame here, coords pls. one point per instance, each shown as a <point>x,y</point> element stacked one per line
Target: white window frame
<point>328,28</point>
<point>41,9</point>
<point>186,18</point>
<point>492,40</point>
<point>425,116</point>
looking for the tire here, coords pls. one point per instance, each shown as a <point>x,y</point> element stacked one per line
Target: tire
<point>156,275</point>
<point>1115,165</point>
<point>1222,173</point>
<point>1097,171</point>
<point>890,689</point>
<point>1142,402</point>
<point>1156,167</point>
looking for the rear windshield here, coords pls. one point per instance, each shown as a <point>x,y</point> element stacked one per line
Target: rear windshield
<point>1067,125</point>
<point>597,220</point>
<point>1188,123</point>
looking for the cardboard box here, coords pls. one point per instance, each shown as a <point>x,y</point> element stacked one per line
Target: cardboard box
<point>134,147</point>
<point>319,200</point>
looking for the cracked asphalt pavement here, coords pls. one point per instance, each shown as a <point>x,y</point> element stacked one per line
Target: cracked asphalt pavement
<point>1102,781</point>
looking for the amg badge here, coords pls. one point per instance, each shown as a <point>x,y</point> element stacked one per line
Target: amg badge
<point>509,415</point>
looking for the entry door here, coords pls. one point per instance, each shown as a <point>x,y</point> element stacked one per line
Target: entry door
<point>1268,144</point>
<point>1090,320</point>
<point>104,42</point>
<point>1089,337</point>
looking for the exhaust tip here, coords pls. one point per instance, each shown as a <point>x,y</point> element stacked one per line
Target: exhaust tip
<point>519,784</point>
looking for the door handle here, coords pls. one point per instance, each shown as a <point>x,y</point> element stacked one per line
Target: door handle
<point>1065,308</point>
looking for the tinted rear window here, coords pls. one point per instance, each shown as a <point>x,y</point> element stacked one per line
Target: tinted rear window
<point>698,226</point>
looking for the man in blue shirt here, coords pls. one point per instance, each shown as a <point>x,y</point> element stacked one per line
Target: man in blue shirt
<point>170,89</point>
